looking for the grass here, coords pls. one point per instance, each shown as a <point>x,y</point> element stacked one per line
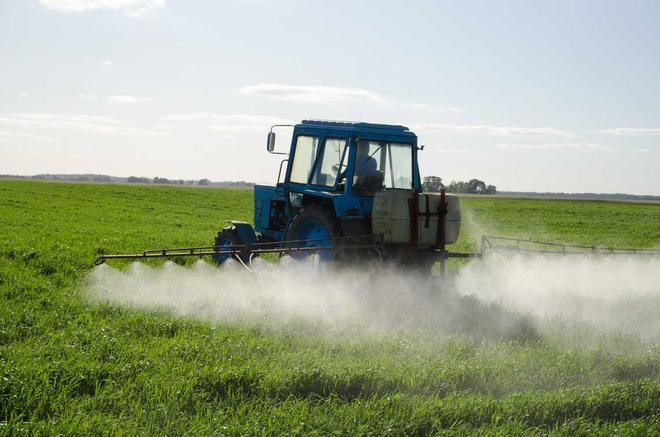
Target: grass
<point>597,222</point>
<point>68,366</point>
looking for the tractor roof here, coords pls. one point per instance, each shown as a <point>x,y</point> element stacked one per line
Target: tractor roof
<point>383,129</point>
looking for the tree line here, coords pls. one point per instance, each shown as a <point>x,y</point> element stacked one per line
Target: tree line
<point>133,180</point>
<point>165,181</point>
<point>202,182</point>
<point>473,186</point>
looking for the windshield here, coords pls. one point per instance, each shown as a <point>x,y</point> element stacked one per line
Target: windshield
<point>315,164</point>
<point>380,165</point>
<point>329,162</point>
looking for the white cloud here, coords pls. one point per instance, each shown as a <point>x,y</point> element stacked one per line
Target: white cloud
<point>86,96</point>
<point>302,93</point>
<point>418,107</point>
<point>428,108</point>
<point>40,117</point>
<point>4,136</point>
<point>443,150</point>
<point>640,150</point>
<point>632,131</point>
<point>22,94</point>
<point>128,99</point>
<point>557,146</point>
<point>132,8</point>
<point>230,123</point>
<point>85,123</point>
<point>491,130</point>
<point>106,62</point>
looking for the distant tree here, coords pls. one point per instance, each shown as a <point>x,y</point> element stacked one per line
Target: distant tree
<point>457,187</point>
<point>474,186</point>
<point>158,180</point>
<point>203,182</point>
<point>137,180</point>
<point>432,184</point>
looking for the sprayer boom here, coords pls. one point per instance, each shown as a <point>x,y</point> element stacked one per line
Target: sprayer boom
<point>508,244</point>
<point>244,253</point>
<point>370,244</point>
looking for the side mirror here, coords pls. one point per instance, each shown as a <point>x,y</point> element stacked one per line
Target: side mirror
<point>270,143</point>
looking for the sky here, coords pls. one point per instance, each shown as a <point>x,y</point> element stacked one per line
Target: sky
<point>549,96</point>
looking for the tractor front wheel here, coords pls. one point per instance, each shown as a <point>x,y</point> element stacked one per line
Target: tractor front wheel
<point>227,238</point>
<point>315,226</point>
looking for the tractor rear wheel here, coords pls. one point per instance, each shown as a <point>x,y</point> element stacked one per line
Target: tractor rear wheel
<point>315,222</point>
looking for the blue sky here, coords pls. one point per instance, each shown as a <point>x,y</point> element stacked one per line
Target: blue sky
<point>534,96</point>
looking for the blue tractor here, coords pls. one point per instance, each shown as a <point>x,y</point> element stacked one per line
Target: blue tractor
<point>347,188</point>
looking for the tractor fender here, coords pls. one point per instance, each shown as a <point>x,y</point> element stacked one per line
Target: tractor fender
<point>319,212</point>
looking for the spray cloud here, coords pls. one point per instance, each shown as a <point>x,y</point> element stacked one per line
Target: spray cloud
<point>496,297</point>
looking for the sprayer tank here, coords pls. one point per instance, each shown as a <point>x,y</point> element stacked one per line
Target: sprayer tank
<point>391,217</point>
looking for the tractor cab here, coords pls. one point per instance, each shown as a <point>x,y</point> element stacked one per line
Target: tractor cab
<point>337,168</point>
<point>352,158</point>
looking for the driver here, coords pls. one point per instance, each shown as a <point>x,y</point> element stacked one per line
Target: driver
<point>364,164</point>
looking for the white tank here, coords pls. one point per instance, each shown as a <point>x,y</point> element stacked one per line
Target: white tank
<point>391,217</point>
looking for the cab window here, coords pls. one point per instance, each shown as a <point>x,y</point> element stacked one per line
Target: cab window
<point>303,160</point>
<point>380,165</point>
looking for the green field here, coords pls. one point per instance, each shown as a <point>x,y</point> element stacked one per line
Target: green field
<point>71,366</point>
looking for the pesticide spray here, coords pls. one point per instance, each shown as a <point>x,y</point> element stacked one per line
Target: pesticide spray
<point>500,297</point>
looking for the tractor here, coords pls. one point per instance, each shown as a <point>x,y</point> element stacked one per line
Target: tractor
<point>349,188</point>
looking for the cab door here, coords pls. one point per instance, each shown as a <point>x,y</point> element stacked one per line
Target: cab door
<point>318,163</point>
